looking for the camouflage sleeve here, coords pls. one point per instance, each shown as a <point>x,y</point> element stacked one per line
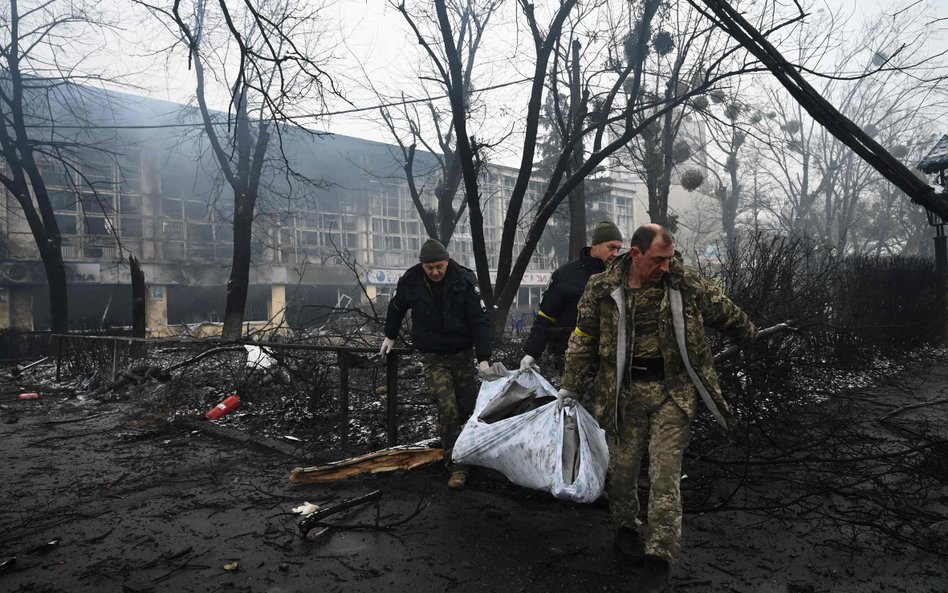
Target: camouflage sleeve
<point>720,313</point>
<point>583,346</point>
<point>397,309</point>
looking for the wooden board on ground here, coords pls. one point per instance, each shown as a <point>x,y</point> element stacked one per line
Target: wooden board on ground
<point>386,460</point>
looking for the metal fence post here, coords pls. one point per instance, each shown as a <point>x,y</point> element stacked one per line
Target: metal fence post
<point>391,394</point>
<point>343,359</point>
<point>115,343</point>
<point>59,356</point>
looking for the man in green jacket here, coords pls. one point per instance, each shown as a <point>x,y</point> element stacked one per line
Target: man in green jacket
<point>643,320</point>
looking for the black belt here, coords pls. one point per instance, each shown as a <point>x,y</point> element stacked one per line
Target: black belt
<point>646,369</point>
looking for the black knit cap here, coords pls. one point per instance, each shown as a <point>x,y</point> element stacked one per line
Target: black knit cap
<point>606,231</point>
<point>431,251</point>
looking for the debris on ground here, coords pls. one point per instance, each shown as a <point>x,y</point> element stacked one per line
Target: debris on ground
<point>312,520</point>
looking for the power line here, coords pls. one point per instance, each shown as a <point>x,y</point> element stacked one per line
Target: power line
<point>292,118</point>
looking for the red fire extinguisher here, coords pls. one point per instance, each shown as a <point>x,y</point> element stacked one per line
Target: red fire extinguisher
<point>223,408</point>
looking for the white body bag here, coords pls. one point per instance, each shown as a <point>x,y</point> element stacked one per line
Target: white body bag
<point>564,453</point>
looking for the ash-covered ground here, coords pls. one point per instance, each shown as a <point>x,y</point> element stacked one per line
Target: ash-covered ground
<point>128,490</point>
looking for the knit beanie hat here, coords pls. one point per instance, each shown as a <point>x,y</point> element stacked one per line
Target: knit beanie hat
<point>606,231</point>
<point>431,251</point>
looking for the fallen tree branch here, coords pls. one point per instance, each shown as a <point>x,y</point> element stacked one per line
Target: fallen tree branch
<point>936,402</point>
<point>732,350</point>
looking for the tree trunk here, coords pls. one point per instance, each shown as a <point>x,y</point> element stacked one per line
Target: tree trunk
<point>467,152</point>
<point>239,281</point>
<point>138,297</point>
<point>56,278</point>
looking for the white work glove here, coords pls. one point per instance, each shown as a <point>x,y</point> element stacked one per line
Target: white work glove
<point>527,363</point>
<point>565,397</point>
<point>387,345</point>
<point>483,366</point>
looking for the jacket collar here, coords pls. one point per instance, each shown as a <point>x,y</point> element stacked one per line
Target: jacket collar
<point>589,262</point>
<point>614,276</point>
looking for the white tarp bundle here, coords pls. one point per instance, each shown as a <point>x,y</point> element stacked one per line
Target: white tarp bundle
<point>562,452</point>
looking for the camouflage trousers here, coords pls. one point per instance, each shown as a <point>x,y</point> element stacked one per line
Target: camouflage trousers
<point>453,386</point>
<point>649,418</point>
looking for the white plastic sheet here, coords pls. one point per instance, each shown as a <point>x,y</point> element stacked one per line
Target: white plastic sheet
<point>258,358</point>
<point>528,447</point>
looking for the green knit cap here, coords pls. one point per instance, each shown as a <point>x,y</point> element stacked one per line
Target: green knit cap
<point>606,231</point>
<point>431,251</point>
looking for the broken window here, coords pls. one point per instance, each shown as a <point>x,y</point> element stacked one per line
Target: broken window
<point>200,232</point>
<point>93,203</point>
<point>201,251</point>
<point>173,250</point>
<point>131,227</point>
<point>130,204</point>
<point>172,230</point>
<point>97,226</point>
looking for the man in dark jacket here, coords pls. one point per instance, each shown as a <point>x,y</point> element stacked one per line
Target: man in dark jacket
<point>556,316</point>
<point>450,325</point>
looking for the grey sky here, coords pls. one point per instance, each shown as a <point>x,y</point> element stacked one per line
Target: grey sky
<point>375,32</point>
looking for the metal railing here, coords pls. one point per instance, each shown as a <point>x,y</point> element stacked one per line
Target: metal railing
<point>124,350</point>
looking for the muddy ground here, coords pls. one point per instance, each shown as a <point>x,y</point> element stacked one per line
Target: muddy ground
<point>124,494</point>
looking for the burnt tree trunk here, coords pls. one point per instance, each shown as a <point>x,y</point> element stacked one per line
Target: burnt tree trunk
<point>23,178</point>
<point>138,297</point>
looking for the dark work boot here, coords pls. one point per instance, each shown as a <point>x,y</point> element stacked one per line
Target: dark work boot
<point>628,544</point>
<point>654,577</point>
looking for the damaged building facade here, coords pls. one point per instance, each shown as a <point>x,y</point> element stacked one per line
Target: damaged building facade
<point>320,246</point>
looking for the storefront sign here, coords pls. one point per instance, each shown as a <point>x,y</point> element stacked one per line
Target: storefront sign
<point>381,276</point>
<point>378,276</point>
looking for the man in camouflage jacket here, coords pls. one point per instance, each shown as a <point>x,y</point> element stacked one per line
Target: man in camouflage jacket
<point>643,321</point>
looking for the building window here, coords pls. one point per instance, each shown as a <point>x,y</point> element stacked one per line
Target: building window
<point>131,227</point>
<point>172,230</point>
<point>173,250</point>
<point>62,200</point>
<point>67,224</point>
<point>171,208</point>
<point>200,232</point>
<point>195,210</point>
<point>205,252</point>
<point>97,203</point>
<point>225,232</point>
<point>308,219</point>
<point>98,226</point>
<point>130,204</point>
<point>309,238</point>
